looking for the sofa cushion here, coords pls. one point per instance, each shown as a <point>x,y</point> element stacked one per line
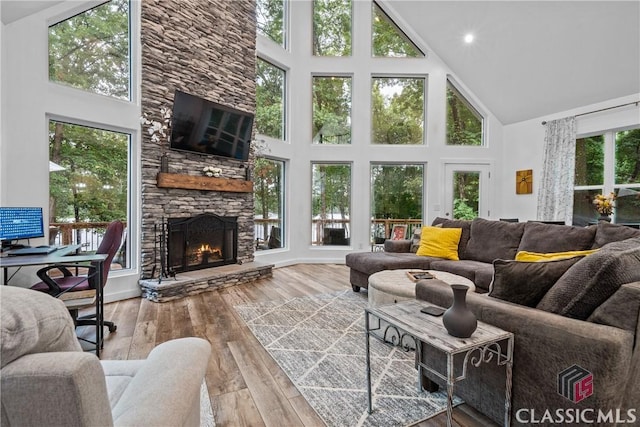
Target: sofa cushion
<point>607,233</point>
<point>372,262</point>
<point>439,242</point>
<point>456,223</point>
<point>539,237</point>
<point>493,240</point>
<point>550,256</point>
<point>465,268</point>
<point>525,283</point>
<point>592,280</point>
<point>33,322</point>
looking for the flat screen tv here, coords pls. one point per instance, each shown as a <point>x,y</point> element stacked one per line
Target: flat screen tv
<point>20,223</point>
<point>205,127</point>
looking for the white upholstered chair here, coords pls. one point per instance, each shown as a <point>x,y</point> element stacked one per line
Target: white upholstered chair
<point>47,379</point>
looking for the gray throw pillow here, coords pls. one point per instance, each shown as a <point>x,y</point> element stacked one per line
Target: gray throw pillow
<point>592,280</point>
<point>493,240</point>
<point>456,223</point>
<point>546,238</point>
<point>415,240</point>
<point>608,233</point>
<point>525,283</point>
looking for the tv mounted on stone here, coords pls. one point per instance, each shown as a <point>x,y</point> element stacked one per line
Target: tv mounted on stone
<point>206,127</point>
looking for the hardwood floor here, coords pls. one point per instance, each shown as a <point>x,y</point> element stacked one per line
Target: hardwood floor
<point>247,388</point>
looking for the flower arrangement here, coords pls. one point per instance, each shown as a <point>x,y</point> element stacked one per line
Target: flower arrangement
<point>210,171</point>
<point>158,129</point>
<point>605,203</point>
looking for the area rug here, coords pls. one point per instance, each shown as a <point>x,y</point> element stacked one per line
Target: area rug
<point>319,342</point>
<point>206,411</point>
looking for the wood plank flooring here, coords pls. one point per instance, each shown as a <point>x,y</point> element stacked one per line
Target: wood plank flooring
<point>246,386</point>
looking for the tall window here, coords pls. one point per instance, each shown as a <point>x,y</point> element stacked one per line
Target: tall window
<point>396,198</point>
<point>398,110</point>
<point>90,51</point>
<point>606,163</point>
<point>268,190</point>
<point>88,183</point>
<point>270,17</point>
<point>270,96</point>
<point>387,39</point>
<point>331,110</point>
<point>331,204</point>
<point>464,122</point>
<point>332,27</point>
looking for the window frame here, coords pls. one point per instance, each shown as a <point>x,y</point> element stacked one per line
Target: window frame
<point>463,96</point>
<point>350,220</point>
<point>425,94</point>
<point>285,98</point>
<point>609,164</point>
<point>283,203</point>
<point>133,48</point>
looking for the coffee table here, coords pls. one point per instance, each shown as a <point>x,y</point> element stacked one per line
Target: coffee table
<point>392,286</point>
<point>403,325</point>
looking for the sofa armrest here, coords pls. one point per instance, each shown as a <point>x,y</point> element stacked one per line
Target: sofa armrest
<point>166,388</point>
<point>397,245</point>
<point>57,388</point>
<point>546,344</point>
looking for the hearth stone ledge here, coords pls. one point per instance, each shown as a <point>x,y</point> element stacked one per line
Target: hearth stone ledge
<point>198,281</point>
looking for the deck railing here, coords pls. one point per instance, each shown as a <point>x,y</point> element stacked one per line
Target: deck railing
<point>87,234</point>
<point>380,227</point>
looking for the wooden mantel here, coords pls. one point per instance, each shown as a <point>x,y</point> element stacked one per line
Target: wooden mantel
<point>192,182</point>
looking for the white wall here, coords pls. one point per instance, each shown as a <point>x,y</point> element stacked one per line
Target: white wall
<point>524,149</point>
<point>299,152</point>
<point>28,101</point>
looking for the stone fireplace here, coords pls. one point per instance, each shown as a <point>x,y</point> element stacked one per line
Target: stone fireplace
<point>173,187</point>
<point>203,241</point>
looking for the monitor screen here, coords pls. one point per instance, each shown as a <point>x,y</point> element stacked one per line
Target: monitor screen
<point>21,223</point>
<point>202,126</point>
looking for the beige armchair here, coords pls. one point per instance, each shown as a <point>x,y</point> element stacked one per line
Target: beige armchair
<point>47,379</point>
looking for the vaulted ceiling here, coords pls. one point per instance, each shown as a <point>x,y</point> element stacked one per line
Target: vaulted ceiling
<point>529,58</point>
<point>533,58</point>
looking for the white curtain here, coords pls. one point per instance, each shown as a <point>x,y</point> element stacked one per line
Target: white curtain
<point>555,192</point>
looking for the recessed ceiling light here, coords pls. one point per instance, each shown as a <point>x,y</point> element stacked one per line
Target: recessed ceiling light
<point>468,38</point>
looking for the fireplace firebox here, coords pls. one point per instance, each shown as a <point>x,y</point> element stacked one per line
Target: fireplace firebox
<point>202,241</point>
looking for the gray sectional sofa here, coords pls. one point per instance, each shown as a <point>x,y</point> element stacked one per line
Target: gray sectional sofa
<point>581,312</point>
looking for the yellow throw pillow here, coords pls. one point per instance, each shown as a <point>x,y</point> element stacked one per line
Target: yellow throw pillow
<point>536,256</point>
<point>440,242</point>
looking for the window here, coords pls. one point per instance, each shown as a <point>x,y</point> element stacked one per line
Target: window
<point>609,162</point>
<point>466,189</point>
<point>270,17</point>
<point>330,201</point>
<point>270,96</point>
<point>268,190</point>
<point>88,184</point>
<point>396,198</point>
<point>387,40</point>
<point>398,110</point>
<point>90,51</point>
<point>332,110</point>
<point>464,123</point>
<point>332,27</point>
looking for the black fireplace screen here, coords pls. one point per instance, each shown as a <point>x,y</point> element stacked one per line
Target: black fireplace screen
<point>202,241</point>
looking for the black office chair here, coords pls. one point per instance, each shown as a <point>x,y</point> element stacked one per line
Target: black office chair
<point>57,286</point>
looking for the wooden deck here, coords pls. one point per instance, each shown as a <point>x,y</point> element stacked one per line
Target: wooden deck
<point>247,388</point>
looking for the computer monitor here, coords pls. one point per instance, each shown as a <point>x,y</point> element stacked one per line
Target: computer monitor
<point>20,223</point>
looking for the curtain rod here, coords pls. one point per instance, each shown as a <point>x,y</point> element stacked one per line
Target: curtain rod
<point>603,109</point>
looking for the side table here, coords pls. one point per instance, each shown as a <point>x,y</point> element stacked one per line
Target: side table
<point>404,325</point>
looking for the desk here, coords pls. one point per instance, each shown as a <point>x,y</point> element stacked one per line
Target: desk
<point>58,257</point>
